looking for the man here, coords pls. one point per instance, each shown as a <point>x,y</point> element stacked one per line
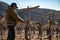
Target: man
<point>12,19</point>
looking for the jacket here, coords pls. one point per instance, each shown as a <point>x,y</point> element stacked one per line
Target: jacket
<point>12,17</point>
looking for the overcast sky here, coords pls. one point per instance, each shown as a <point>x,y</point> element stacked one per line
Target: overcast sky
<point>49,4</point>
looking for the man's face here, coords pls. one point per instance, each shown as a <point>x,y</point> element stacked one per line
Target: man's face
<point>14,7</point>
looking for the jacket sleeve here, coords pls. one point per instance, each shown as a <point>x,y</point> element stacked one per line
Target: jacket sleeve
<point>16,17</point>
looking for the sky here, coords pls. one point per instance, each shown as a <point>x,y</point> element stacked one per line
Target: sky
<point>49,4</point>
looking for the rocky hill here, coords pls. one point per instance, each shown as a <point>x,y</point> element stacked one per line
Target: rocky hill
<point>40,14</point>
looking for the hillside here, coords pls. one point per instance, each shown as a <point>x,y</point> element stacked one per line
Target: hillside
<point>40,13</point>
